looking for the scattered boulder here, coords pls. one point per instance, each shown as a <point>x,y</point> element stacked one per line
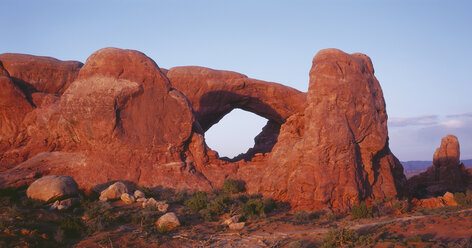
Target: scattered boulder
<point>151,202</point>
<point>52,187</point>
<point>168,221</point>
<point>139,194</point>
<point>114,191</point>
<point>127,198</point>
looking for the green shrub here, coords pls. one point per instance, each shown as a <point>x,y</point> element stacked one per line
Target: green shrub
<point>269,205</point>
<point>301,216</point>
<point>147,191</point>
<point>197,202</point>
<point>464,200</point>
<point>413,239</point>
<point>73,226</point>
<point>360,211</point>
<point>253,208</point>
<point>340,238</point>
<point>232,186</point>
<point>144,217</point>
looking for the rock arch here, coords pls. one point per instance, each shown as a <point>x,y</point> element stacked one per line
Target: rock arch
<point>215,93</point>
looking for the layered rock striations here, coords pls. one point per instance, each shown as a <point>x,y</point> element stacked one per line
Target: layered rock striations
<point>446,173</point>
<point>121,117</point>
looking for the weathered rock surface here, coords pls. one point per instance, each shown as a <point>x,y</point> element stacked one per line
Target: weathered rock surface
<point>168,221</point>
<point>336,152</point>
<point>124,118</point>
<point>446,173</point>
<point>114,191</point>
<point>52,187</point>
<point>13,108</point>
<point>127,198</point>
<point>139,194</point>
<point>40,74</point>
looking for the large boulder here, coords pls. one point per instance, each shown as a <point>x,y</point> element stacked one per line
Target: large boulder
<point>114,191</point>
<point>168,221</point>
<point>446,173</point>
<point>52,187</point>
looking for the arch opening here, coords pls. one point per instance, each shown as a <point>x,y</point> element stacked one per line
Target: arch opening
<point>241,135</point>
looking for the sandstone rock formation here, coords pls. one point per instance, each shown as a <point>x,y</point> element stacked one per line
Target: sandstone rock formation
<point>446,174</point>
<point>123,118</point>
<point>336,152</point>
<point>40,74</point>
<point>52,187</point>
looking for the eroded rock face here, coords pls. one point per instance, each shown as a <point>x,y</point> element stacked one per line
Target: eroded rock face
<point>123,119</point>
<point>446,173</point>
<point>13,108</point>
<point>40,74</point>
<point>336,152</point>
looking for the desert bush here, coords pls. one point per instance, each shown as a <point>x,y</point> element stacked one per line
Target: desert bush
<point>219,204</point>
<point>360,211</point>
<point>147,192</point>
<point>9,195</point>
<point>413,239</point>
<point>197,202</point>
<point>346,238</point>
<point>143,217</point>
<point>464,200</point>
<point>254,208</point>
<point>232,186</point>
<point>73,226</point>
<point>95,208</point>
<point>269,205</point>
<point>301,216</point>
<point>340,238</point>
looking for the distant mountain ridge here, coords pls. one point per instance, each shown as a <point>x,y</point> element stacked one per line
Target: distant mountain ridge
<point>412,168</point>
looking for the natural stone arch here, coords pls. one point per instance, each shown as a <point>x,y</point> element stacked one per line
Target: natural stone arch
<point>215,93</point>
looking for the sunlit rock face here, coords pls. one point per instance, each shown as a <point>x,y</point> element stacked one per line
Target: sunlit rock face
<point>446,174</point>
<point>121,117</point>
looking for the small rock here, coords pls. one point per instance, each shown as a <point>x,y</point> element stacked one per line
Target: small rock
<point>139,194</point>
<point>127,198</point>
<point>168,220</point>
<point>151,202</point>
<point>236,226</point>
<point>52,187</point>
<point>114,191</point>
<point>162,206</point>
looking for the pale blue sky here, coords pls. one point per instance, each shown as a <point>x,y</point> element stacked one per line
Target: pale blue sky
<point>420,50</point>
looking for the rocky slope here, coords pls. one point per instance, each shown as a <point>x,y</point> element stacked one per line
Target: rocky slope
<point>120,117</point>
